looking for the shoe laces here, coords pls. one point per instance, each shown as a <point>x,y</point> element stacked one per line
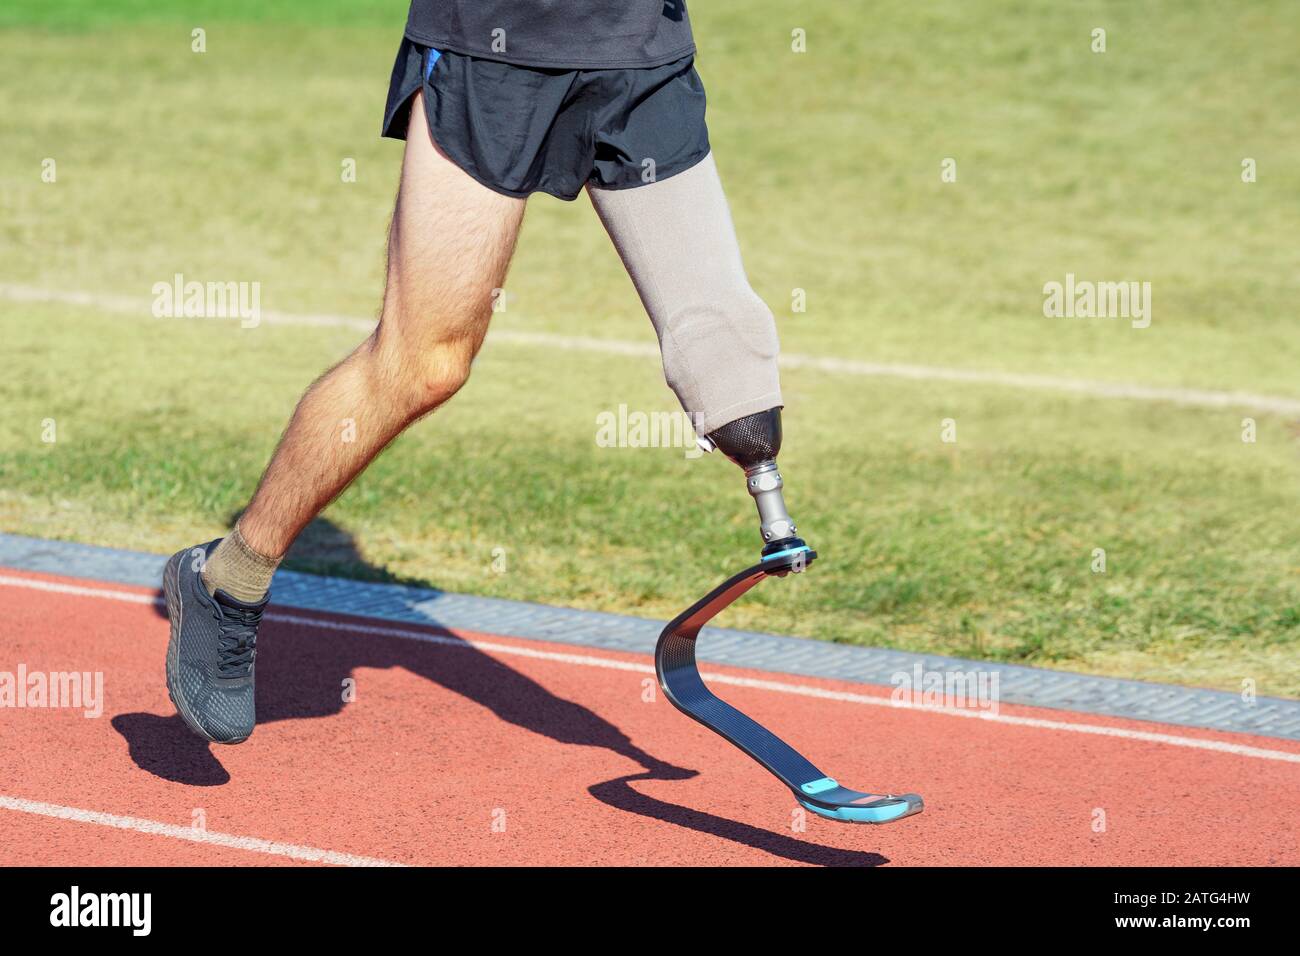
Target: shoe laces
<point>237,639</point>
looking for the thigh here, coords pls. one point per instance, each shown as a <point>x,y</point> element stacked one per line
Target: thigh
<point>676,238</point>
<point>717,337</point>
<point>449,246</point>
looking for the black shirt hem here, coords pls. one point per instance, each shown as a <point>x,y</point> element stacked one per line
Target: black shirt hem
<point>464,49</point>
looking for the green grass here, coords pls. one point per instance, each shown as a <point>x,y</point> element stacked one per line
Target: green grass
<point>1124,165</point>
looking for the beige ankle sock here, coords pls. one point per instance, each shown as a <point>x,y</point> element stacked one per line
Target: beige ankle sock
<point>238,570</point>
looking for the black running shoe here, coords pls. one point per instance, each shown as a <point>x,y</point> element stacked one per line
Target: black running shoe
<point>211,651</point>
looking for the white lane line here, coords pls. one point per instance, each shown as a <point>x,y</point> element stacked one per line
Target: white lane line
<point>1190,397</point>
<point>57,587</point>
<point>782,687</point>
<point>293,851</point>
<point>1176,740</point>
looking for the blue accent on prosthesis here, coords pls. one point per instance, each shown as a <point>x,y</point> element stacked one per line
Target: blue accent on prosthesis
<point>851,814</point>
<point>781,554</point>
<point>820,786</point>
<point>860,814</point>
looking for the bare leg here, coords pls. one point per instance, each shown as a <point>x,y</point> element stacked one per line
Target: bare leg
<point>449,247</point>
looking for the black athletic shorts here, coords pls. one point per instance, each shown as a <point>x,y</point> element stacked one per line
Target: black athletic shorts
<point>519,129</point>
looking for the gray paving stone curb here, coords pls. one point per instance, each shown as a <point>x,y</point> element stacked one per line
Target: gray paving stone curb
<point>1170,704</point>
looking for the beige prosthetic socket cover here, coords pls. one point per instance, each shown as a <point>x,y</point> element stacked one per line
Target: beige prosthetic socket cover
<point>717,337</point>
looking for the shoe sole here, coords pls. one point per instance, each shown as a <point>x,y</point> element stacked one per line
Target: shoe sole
<point>176,614</point>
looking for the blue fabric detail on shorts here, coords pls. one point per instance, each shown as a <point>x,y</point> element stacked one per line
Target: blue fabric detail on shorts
<point>430,59</point>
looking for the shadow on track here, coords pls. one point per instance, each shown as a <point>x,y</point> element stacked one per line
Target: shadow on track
<point>300,674</point>
<point>620,794</point>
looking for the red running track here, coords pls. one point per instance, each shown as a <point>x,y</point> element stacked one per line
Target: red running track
<point>465,748</point>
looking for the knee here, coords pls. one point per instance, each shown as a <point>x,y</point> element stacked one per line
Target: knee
<point>416,380</point>
<point>708,333</point>
<point>436,376</point>
<point>755,323</point>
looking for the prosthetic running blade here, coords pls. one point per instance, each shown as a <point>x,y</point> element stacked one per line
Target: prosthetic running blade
<point>679,676</point>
